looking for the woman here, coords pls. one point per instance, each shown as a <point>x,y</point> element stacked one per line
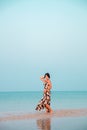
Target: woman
<point>45,101</point>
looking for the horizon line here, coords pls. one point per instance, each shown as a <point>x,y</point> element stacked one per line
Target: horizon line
<point>51,90</point>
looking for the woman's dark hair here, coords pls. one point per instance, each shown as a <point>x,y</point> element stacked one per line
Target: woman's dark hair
<point>47,75</point>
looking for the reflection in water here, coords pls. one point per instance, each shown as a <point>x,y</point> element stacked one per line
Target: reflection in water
<point>44,124</point>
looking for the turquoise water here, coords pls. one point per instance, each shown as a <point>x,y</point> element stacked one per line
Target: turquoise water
<point>16,102</point>
<point>27,101</point>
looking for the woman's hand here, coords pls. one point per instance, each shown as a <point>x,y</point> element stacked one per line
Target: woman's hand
<point>42,77</point>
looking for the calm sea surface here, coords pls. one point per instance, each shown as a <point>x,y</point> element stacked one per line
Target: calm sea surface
<point>17,102</point>
<point>27,101</point>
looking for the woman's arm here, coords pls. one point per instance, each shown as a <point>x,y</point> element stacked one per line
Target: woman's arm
<point>42,79</point>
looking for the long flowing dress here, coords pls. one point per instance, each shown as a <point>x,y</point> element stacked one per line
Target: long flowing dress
<point>45,99</point>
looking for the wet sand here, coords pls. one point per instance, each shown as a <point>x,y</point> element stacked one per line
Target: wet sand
<point>38,115</point>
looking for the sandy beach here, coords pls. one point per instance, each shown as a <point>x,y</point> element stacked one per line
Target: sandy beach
<point>38,115</point>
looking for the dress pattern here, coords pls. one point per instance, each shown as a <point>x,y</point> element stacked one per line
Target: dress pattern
<point>45,99</point>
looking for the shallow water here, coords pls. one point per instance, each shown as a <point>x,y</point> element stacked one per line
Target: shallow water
<point>46,124</point>
<point>25,102</point>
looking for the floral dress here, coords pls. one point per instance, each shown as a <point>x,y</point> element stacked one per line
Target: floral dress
<point>45,99</point>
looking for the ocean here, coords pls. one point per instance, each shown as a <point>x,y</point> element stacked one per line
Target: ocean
<point>25,102</point>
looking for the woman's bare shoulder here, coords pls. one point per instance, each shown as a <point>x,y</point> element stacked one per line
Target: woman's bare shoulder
<point>49,84</point>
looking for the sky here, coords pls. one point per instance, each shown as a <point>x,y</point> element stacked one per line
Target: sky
<point>43,36</point>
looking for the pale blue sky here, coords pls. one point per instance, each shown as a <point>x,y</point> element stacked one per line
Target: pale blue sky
<point>43,36</point>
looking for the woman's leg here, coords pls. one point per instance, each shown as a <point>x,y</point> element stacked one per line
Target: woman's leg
<point>48,108</point>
